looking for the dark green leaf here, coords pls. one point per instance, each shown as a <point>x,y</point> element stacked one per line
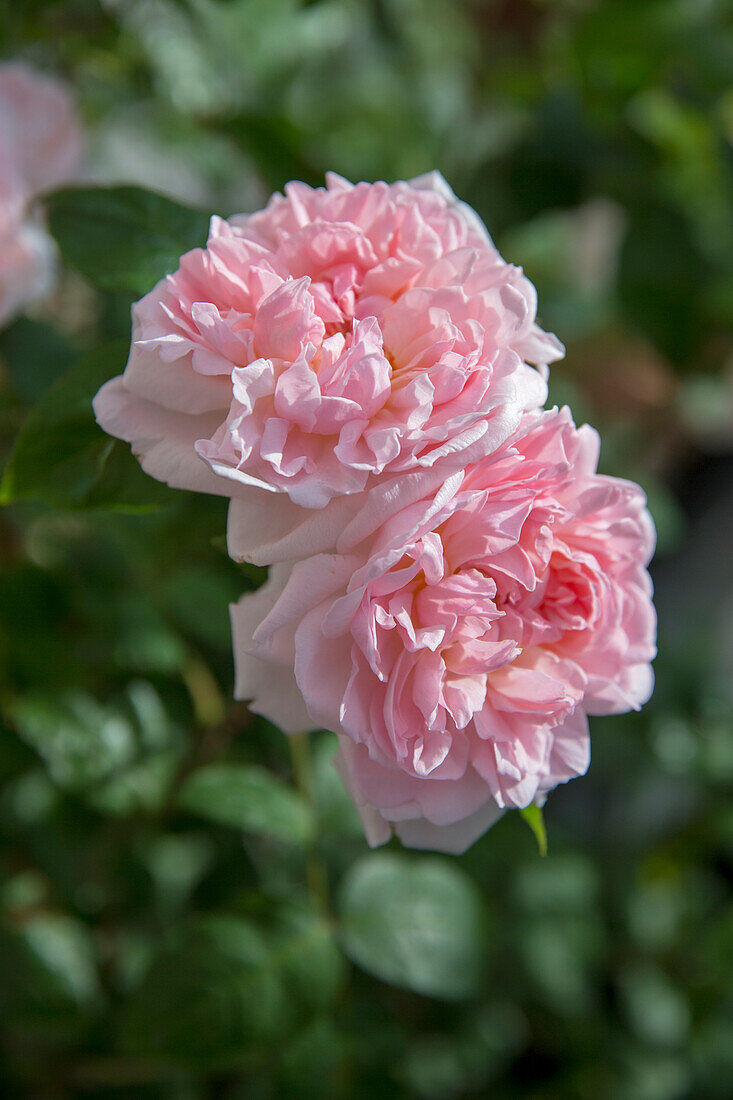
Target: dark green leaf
<point>247,798</point>
<point>275,147</point>
<point>123,486</point>
<point>661,279</point>
<point>309,1062</point>
<point>414,922</point>
<point>35,355</point>
<point>60,451</point>
<point>209,998</point>
<point>463,1061</point>
<point>655,1008</point>
<point>175,863</point>
<point>79,740</point>
<point>123,238</point>
<point>141,787</point>
<point>49,970</point>
<point>198,600</point>
<point>308,957</point>
<point>337,813</point>
<point>63,458</point>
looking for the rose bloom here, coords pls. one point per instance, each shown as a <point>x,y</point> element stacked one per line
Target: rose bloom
<point>27,266</point>
<point>341,335</point>
<point>40,147</point>
<point>458,647</point>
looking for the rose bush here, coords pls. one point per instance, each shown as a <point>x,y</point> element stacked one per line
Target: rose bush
<point>454,587</point>
<point>458,647</point>
<point>341,335</point>
<point>40,147</point>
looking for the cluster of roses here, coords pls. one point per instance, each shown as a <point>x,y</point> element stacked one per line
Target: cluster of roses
<point>40,147</point>
<point>454,588</point>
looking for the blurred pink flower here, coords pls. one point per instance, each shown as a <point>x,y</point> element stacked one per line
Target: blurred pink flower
<point>340,335</point>
<point>40,147</point>
<point>458,647</point>
<point>39,128</point>
<point>27,261</point>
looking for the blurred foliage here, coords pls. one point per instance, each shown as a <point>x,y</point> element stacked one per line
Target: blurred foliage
<point>187,908</point>
<point>123,238</point>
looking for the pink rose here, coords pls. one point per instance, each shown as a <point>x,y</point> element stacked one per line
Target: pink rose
<point>342,335</point>
<point>457,647</point>
<point>27,264</point>
<point>39,129</point>
<point>40,147</point>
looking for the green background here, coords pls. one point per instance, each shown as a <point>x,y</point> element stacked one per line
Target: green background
<point>188,908</point>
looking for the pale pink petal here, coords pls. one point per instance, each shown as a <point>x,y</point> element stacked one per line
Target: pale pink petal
<point>269,688</point>
<point>453,839</point>
<point>168,456</point>
<point>263,528</point>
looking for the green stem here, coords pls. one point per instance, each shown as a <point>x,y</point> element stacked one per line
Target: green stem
<point>315,869</point>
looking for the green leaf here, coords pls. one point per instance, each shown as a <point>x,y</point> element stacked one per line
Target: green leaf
<point>534,817</point>
<point>176,863</point>
<point>63,458</point>
<point>123,755</point>
<point>306,953</point>
<point>659,279</point>
<point>275,145</point>
<point>209,998</point>
<point>463,1061</point>
<point>123,486</point>
<point>198,599</point>
<point>656,1009</point>
<point>136,635</point>
<point>123,238</point>
<point>80,741</point>
<point>247,798</point>
<point>142,787</point>
<point>310,1062</point>
<point>35,355</point>
<point>60,451</point>
<point>337,813</point>
<point>49,971</point>
<point>417,923</point>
